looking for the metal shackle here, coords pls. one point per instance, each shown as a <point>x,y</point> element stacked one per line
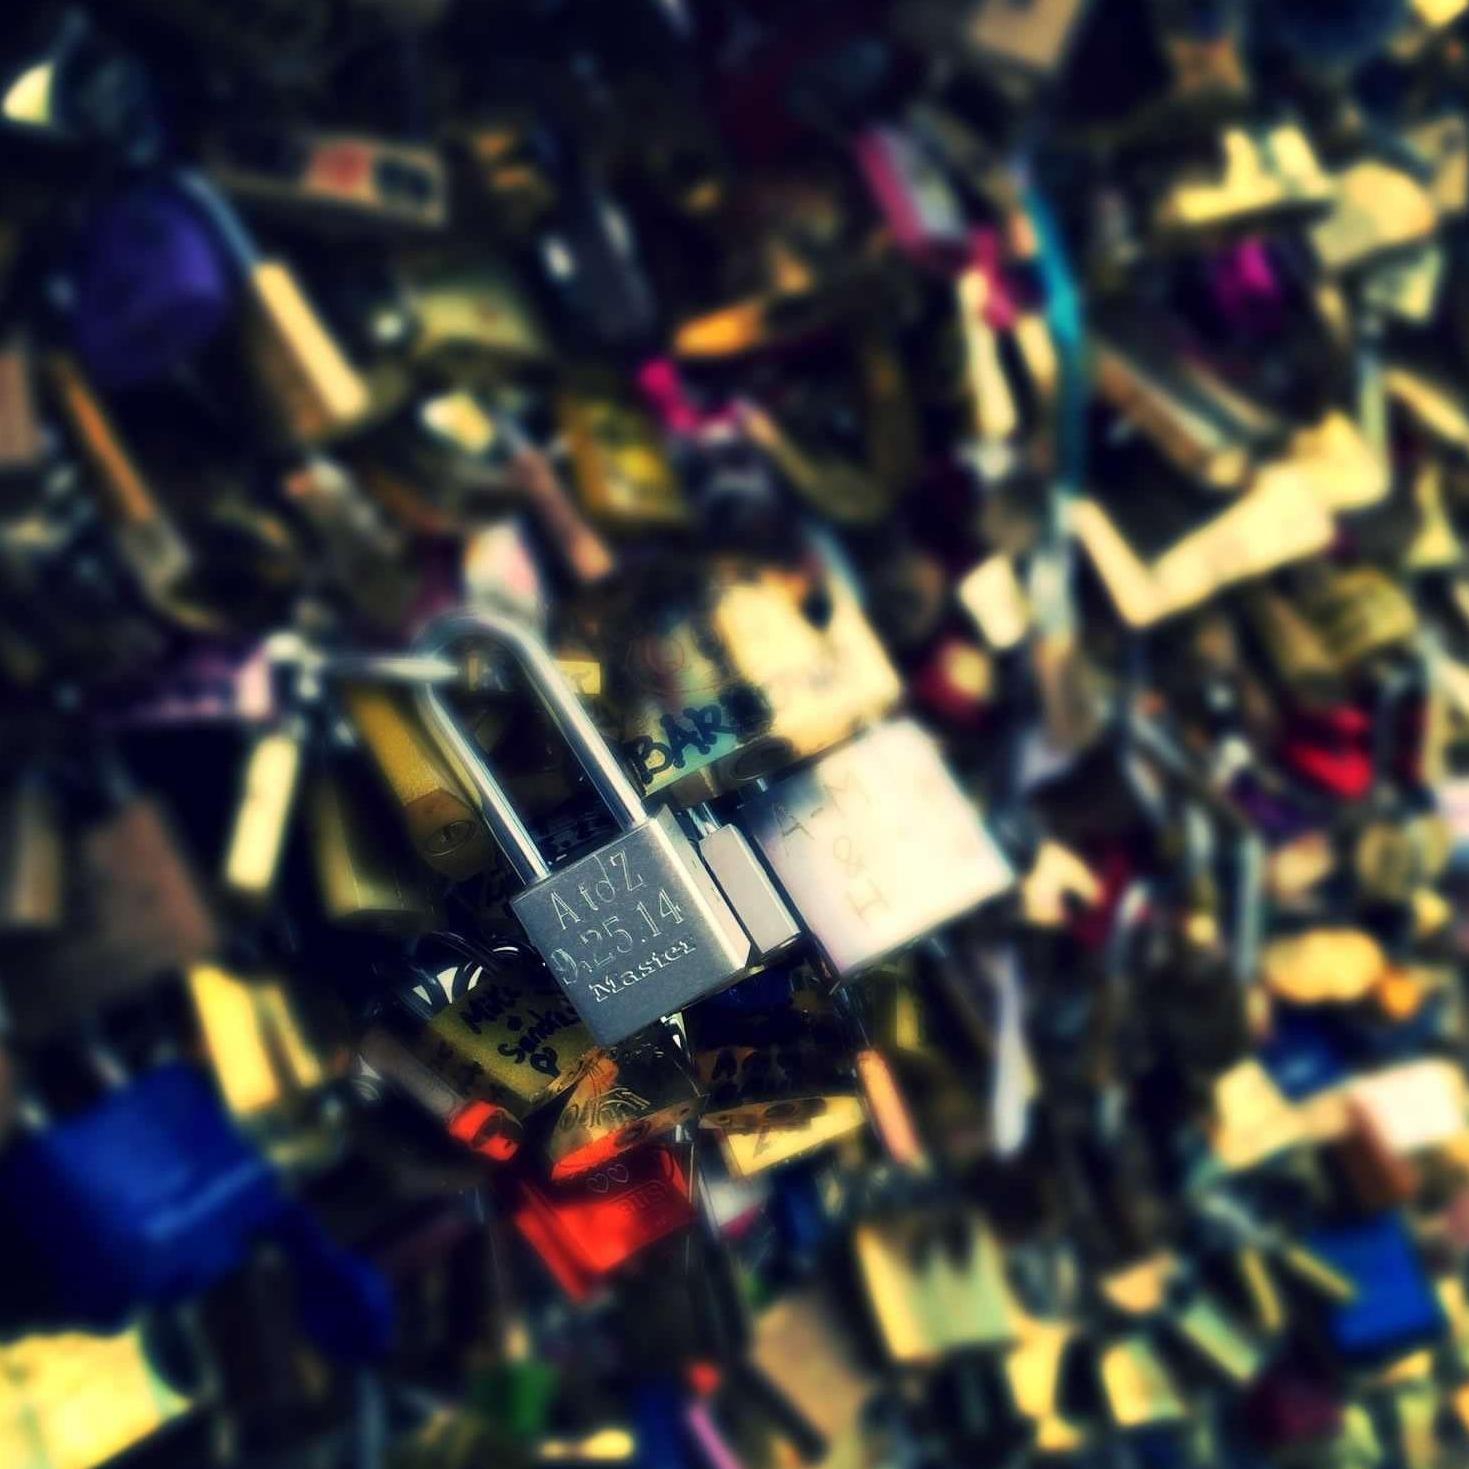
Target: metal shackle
<point>559,700</point>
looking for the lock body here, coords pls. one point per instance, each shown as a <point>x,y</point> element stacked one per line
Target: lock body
<point>876,845</point>
<point>620,1100</point>
<point>637,928</point>
<point>746,681</point>
<point>634,930</point>
<point>440,822</point>
<point>365,874</point>
<point>591,1226</point>
<point>508,1039</point>
<point>33,864</point>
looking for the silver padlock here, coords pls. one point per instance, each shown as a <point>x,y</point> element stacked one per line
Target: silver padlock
<point>875,844</point>
<point>640,927</point>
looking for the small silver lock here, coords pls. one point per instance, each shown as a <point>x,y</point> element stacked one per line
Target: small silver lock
<point>640,927</point>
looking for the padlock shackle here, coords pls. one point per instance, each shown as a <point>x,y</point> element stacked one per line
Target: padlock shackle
<point>559,700</point>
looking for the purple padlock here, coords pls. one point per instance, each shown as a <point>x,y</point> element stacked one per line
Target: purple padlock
<point>152,285</point>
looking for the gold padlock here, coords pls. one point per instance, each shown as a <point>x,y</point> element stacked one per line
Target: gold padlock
<point>935,1284</point>
<point>365,874</point>
<point>1356,612</point>
<point>1278,520</point>
<point>441,823</point>
<point>147,539</point>
<point>753,1087</point>
<point>509,1038</point>
<point>1376,208</point>
<point>311,390</point>
<point>1200,424</point>
<point>1268,171</point>
<point>263,809</point>
<point>621,1097</point>
<point>621,475</point>
<point>32,855</point>
<point>762,669</point>
<point>259,1051</point>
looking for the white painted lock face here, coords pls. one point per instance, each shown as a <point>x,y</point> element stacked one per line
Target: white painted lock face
<point>876,844</point>
<point>634,930</point>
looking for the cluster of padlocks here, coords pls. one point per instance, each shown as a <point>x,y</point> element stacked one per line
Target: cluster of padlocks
<point>735,734</point>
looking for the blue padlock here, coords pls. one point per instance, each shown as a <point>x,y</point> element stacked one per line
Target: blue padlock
<point>1395,1307</point>
<point>149,1197</point>
<point>151,285</point>
<point>1302,1055</point>
<point>662,1434</point>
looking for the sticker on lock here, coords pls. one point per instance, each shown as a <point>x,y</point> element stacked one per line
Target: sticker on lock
<point>876,845</point>
<point>631,932</point>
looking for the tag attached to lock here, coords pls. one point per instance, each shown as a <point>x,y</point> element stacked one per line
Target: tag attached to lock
<point>876,845</point>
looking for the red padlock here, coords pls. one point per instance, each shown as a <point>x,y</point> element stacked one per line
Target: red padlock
<point>591,1226</point>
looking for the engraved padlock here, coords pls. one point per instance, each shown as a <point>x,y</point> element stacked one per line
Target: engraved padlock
<point>637,928</point>
<point>875,844</point>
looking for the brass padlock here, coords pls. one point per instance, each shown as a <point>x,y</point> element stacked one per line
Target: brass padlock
<point>633,930</point>
<point>507,1037</point>
<point>1263,173</point>
<point>622,477</point>
<point>754,1087</point>
<point>748,679</point>
<point>268,786</point>
<point>366,876</point>
<point>147,540</point>
<point>473,312</point>
<point>32,857</point>
<point>620,1100</point>
<point>439,819</point>
<point>22,437</point>
<point>326,176</point>
<point>1377,209</point>
<point>1191,416</point>
<point>259,1051</point>
<point>935,1283</point>
<point>312,390</point>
